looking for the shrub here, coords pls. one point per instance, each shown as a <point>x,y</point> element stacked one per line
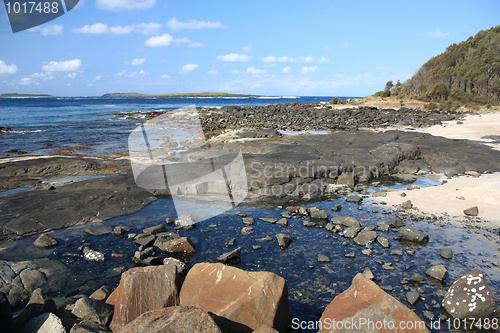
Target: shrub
<point>336,100</point>
<point>431,106</point>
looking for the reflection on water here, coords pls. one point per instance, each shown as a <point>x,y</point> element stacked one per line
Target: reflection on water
<point>310,290</point>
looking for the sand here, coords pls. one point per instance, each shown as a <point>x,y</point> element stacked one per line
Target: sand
<point>461,192</point>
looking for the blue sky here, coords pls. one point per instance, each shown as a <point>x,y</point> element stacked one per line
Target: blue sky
<point>315,48</point>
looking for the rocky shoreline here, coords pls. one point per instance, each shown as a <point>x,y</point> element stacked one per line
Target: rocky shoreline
<point>282,169</point>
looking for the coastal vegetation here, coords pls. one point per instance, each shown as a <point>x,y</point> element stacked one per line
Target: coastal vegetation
<point>466,74</point>
<point>16,95</point>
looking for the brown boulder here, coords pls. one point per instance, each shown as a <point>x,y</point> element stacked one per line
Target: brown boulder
<point>241,301</point>
<point>173,319</point>
<point>364,307</point>
<point>181,246</point>
<point>143,289</point>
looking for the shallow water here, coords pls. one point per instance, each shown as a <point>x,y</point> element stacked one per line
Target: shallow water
<point>309,290</point>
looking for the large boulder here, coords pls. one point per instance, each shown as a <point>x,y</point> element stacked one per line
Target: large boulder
<point>470,297</point>
<point>143,289</point>
<point>173,319</point>
<point>365,303</point>
<point>408,234</point>
<point>45,323</point>
<point>242,301</point>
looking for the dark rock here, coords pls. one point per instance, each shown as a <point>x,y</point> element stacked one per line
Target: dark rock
<point>155,229</point>
<point>346,221</point>
<point>120,231</point>
<point>412,297</point>
<point>383,226</point>
<point>37,305</point>
<point>308,224</point>
<point>337,208</point>
<point>173,319</point>
<point>98,230</point>
<point>416,278</point>
<point>91,309</point>
<point>229,256</point>
<point>323,259</point>
<point>169,221</point>
<point>145,239</point>
<point>101,294</point>
<point>351,232</point>
<point>438,272</point>
<point>45,241</point>
<point>411,235</point>
<point>387,266</point>
<point>88,326</point>
<point>5,313</point>
<point>284,240</point>
<point>230,242</point>
<point>268,219</point>
<point>470,297</point>
<point>364,237</point>
<point>398,253</point>
<point>473,211</point>
<point>46,322</point>
<point>429,316</point>
<point>396,222</point>
<point>142,255</point>
<point>446,253</point>
<point>316,213</point>
<point>283,222</point>
<point>407,205</point>
<point>356,199</point>
<point>248,220</point>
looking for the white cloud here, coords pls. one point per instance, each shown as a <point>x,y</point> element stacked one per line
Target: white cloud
<point>136,74</point>
<point>195,44</point>
<point>213,72</point>
<point>286,70</point>
<point>234,57</point>
<point>158,41</point>
<point>71,75</point>
<point>165,76</point>
<point>251,71</point>
<point>98,77</point>
<point>55,29</point>
<point>246,49</point>
<point>188,68</point>
<point>437,34</point>
<point>193,25</point>
<point>7,69</point>
<point>136,62</point>
<point>308,69</point>
<point>124,5</point>
<point>323,60</point>
<point>104,29</point>
<point>26,81</point>
<point>43,76</point>
<point>63,66</point>
<point>271,59</point>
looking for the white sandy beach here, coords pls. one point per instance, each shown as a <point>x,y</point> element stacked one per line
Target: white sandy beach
<point>462,192</point>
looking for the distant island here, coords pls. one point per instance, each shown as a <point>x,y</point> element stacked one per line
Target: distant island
<point>16,95</point>
<point>178,95</point>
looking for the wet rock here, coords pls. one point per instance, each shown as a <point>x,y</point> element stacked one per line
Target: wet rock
<point>384,242</point>
<point>323,259</point>
<point>169,221</point>
<point>438,272</point>
<point>411,235</point>
<point>387,267</point>
<point>268,219</point>
<point>367,252</point>
<point>140,256</point>
<point>472,211</point>
<point>155,229</point>
<point>346,221</point>
<point>396,222</point>
<point>330,227</point>
<point>283,222</point>
<point>383,226</point>
<point>407,205</point>
<point>412,297</point>
<point>308,224</point>
<point>45,241</point>
<point>248,220</point>
<point>417,279</point>
<point>88,326</point>
<point>90,309</point>
<point>387,288</point>
<point>398,253</point>
<point>101,294</point>
<point>92,255</point>
<point>446,253</point>
<point>246,230</point>
<point>142,289</point>
<point>98,230</point>
<point>37,305</point>
<point>350,255</point>
<point>337,208</point>
<point>364,299</point>
<point>5,313</point>
<point>429,316</point>
<point>229,256</point>
<point>256,247</point>
<point>186,222</point>
<point>180,246</point>
<point>367,273</point>
<point>230,242</point>
<point>44,323</point>
<point>173,319</point>
<point>284,240</point>
<point>364,237</point>
<point>351,232</point>
<point>120,231</point>
<point>470,297</point>
<point>145,240</point>
<point>241,301</point>
<point>355,199</point>
<point>316,213</point>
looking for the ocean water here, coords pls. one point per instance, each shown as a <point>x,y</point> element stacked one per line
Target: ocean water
<point>41,126</point>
